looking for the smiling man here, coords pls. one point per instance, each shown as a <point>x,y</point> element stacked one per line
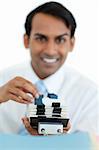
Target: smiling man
<point>49,36</point>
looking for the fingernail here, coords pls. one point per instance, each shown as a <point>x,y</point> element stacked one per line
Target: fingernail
<point>37,95</point>
<point>32,100</point>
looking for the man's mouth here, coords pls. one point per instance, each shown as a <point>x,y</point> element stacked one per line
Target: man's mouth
<point>50,60</point>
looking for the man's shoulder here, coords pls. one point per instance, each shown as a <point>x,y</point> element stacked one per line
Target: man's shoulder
<point>74,77</point>
<point>15,70</point>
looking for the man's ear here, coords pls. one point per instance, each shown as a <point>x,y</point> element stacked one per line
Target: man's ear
<point>26,40</point>
<point>72,43</point>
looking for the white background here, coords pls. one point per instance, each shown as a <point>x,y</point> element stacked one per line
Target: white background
<point>85,55</point>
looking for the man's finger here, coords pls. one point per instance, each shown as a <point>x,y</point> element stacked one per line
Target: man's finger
<point>65,129</point>
<point>25,85</point>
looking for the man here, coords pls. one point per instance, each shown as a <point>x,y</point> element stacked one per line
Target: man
<point>50,37</point>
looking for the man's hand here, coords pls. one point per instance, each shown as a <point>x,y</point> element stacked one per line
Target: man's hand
<point>34,131</point>
<point>17,89</point>
<point>66,129</point>
<point>28,126</point>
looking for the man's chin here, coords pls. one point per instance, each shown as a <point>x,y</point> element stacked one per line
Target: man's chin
<point>48,73</point>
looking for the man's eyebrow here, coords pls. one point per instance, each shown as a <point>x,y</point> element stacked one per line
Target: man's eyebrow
<point>40,34</point>
<point>64,34</point>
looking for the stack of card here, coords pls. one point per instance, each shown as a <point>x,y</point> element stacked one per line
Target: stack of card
<point>55,113</point>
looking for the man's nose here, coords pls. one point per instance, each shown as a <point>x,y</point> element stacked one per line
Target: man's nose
<point>51,47</point>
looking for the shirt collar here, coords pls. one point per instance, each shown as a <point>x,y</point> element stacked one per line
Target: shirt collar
<point>31,73</point>
<point>53,82</point>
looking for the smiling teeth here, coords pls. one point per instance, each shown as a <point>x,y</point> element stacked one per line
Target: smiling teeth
<point>50,60</point>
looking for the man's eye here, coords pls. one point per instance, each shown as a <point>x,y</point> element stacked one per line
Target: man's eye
<point>41,39</point>
<point>60,40</point>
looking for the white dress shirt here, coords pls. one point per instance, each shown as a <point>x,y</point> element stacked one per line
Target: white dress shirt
<point>78,93</point>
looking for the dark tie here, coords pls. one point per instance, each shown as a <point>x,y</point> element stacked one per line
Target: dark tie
<point>52,96</point>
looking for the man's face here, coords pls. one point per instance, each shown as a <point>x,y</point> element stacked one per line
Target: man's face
<point>49,44</point>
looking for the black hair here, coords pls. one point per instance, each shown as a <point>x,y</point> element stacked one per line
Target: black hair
<point>55,9</point>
